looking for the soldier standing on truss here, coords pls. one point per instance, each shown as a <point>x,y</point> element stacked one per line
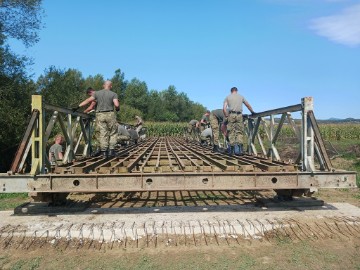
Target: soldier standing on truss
<point>105,117</point>
<point>233,112</point>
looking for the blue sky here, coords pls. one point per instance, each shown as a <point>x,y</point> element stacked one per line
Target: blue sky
<point>274,51</point>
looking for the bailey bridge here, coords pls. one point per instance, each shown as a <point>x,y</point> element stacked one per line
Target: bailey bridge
<point>171,163</point>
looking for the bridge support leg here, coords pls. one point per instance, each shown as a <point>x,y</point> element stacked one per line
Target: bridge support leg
<point>51,198</point>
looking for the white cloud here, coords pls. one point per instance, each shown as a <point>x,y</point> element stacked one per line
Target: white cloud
<point>343,28</point>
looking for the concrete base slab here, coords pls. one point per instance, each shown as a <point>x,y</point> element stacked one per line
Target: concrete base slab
<point>294,203</point>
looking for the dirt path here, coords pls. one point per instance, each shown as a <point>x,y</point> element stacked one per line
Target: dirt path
<point>189,230</point>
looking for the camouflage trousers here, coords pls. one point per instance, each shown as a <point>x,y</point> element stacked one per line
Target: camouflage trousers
<point>192,132</point>
<point>107,125</point>
<point>123,138</point>
<point>95,136</point>
<point>235,128</point>
<point>215,127</point>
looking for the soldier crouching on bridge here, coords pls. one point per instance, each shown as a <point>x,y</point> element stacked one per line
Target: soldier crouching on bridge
<point>204,121</point>
<point>206,137</point>
<point>56,151</point>
<point>233,112</point>
<point>123,136</point>
<point>217,122</point>
<point>105,117</point>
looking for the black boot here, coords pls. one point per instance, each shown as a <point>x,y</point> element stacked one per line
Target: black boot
<point>230,150</point>
<point>216,149</point>
<point>236,149</point>
<point>96,153</point>
<point>111,153</point>
<point>104,154</point>
<point>241,149</point>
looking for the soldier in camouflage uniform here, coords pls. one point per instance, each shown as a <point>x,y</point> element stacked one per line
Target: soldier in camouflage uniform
<point>105,117</point>
<point>123,136</point>
<point>95,145</point>
<point>204,121</point>
<point>217,119</point>
<point>139,123</point>
<point>192,129</point>
<point>206,137</point>
<point>233,112</point>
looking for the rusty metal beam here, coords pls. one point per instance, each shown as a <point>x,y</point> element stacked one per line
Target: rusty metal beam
<point>24,143</point>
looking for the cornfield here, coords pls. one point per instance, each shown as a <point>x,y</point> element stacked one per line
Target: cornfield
<point>331,132</point>
<point>165,129</point>
<point>328,131</point>
<point>340,131</point>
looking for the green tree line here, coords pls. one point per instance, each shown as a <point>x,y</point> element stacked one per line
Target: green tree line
<point>67,88</point>
<point>22,20</point>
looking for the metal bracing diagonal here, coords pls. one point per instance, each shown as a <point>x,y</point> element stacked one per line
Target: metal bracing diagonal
<point>25,144</point>
<point>278,129</point>
<point>255,134</point>
<point>321,150</point>
<point>50,125</point>
<point>66,132</point>
<point>293,126</point>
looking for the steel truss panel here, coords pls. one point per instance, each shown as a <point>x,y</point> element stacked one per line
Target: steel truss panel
<point>168,163</point>
<point>172,163</point>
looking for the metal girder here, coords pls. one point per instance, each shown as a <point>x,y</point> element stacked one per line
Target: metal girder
<point>57,183</point>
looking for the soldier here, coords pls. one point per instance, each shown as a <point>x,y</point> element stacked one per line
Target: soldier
<point>95,147</point>
<point>134,136</point>
<point>193,125</point>
<point>92,107</point>
<point>123,135</point>
<point>139,123</point>
<point>233,112</point>
<point>105,117</point>
<point>217,119</point>
<point>204,121</point>
<point>205,136</point>
<point>56,150</point>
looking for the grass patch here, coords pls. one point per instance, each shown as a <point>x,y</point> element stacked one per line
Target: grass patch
<point>11,200</point>
<point>13,195</point>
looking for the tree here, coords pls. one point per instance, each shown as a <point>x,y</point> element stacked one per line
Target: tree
<point>21,20</point>
<point>136,95</point>
<point>127,113</point>
<point>62,87</point>
<point>96,82</point>
<point>156,110</point>
<point>119,84</point>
